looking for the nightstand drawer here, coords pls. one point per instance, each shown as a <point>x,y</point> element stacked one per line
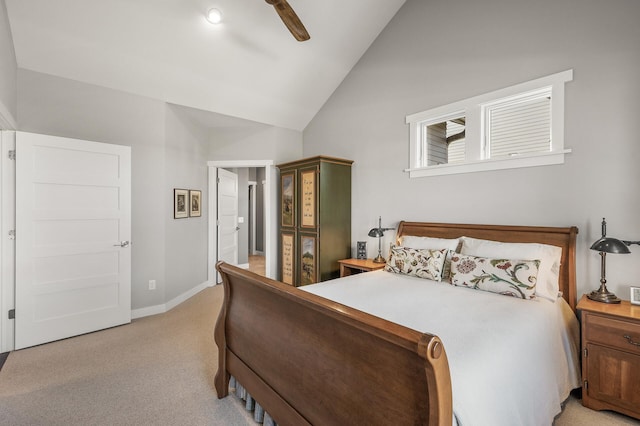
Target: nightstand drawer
<point>623,335</point>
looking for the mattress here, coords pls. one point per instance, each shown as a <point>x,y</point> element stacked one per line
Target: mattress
<point>512,361</point>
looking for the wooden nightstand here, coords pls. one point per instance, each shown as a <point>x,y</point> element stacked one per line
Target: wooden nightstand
<point>355,266</point>
<point>611,356</point>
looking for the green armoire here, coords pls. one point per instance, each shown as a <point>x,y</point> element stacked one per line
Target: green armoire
<point>315,219</point>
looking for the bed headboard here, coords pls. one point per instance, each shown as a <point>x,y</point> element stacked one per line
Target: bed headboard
<point>561,237</point>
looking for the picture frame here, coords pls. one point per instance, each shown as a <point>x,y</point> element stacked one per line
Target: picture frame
<point>361,250</point>
<point>195,203</point>
<point>634,296</point>
<point>180,203</point>
<point>288,207</point>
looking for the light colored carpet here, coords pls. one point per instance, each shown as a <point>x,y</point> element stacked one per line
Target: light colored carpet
<point>155,371</point>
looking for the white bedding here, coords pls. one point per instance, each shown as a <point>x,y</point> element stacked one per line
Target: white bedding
<point>512,361</point>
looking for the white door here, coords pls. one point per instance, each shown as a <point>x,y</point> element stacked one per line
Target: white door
<point>73,227</point>
<point>228,216</point>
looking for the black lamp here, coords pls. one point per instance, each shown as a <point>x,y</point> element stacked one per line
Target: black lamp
<point>379,233</point>
<point>607,245</point>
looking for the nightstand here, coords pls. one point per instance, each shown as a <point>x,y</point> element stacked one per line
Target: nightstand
<point>355,266</point>
<point>611,356</point>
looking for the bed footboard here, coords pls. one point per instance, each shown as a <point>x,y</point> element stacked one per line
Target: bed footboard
<point>308,360</point>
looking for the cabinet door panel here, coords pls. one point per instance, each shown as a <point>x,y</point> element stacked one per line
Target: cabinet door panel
<point>614,377</point>
<point>288,257</point>
<point>309,198</point>
<point>308,255</point>
<point>288,205</point>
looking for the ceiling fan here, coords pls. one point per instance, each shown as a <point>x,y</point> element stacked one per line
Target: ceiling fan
<point>290,19</point>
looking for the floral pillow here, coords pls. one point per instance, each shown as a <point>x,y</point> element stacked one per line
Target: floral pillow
<point>422,263</point>
<point>515,278</point>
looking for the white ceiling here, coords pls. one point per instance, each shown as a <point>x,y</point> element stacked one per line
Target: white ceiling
<point>250,66</point>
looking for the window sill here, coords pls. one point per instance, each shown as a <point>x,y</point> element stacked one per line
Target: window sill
<point>531,160</point>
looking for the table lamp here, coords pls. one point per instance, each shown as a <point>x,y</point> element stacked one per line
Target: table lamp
<point>379,233</point>
<point>606,245</point>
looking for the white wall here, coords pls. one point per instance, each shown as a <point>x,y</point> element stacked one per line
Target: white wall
<point>437,52</point>
<point>8,72</point>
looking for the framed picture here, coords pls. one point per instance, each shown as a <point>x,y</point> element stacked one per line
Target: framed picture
<point>635,295</point>
<point>288,200</point>
<point>195,203</point>
<point>308,271</point>
<point>308,217</point>
<point>361,251</point>
<point>180,202</point>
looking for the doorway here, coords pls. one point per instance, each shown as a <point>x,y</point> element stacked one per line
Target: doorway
<point>270,193</point>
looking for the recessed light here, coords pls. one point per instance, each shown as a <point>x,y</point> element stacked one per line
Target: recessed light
<point>214,16</point>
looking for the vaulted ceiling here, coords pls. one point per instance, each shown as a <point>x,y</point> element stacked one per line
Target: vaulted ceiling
<point>249,66</point>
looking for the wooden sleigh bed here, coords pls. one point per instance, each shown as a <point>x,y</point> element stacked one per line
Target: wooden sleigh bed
<point>311,361</point>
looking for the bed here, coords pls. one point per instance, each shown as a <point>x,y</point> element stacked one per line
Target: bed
<point>314,356</point>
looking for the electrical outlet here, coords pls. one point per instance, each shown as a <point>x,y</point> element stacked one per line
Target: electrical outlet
<point>152,284</point>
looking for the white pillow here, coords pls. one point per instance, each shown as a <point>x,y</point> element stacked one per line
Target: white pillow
<point>548,255</point>
<point>429,242</point>
<point>451,245</point>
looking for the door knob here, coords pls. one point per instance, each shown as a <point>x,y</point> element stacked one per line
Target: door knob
<point>122,244</point>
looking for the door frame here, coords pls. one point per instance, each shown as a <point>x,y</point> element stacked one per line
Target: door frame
<point>7,245</point>
<point>270,194</point>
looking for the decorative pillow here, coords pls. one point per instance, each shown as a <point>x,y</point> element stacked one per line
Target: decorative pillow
<point>515,278</point>
<point>433,243</point>
<point>549,256</point>
<point>422,263</point>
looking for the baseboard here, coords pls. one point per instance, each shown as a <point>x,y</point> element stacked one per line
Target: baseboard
<point>161,309</point>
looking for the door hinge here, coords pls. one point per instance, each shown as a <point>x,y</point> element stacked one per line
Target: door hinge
<point>12,154</point>
<point>218,180</point>
<point>12,234</point>
<point>585,352</point>
<point>12,313</point>
<point>586,385</point>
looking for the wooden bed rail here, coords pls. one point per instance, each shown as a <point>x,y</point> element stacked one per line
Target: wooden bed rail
<point>308,360</point>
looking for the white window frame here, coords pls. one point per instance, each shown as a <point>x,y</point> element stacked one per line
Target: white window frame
<point>473,109</point>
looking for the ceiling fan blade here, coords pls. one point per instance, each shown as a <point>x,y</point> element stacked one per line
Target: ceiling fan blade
<point>290,19</point>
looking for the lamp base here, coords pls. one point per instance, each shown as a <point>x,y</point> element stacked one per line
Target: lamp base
<point>603,296</point>
<point>379,259</point>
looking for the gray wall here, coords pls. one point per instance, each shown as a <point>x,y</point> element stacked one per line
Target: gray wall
<point>62,107</point>
<point>256,142</point>
<point>186,150</point>
<point>170,149</point>
<point>8,69</point>
<point>436,52</point>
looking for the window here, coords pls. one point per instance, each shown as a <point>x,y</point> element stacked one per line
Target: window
<point>443,141</point>
<point>520,126</point>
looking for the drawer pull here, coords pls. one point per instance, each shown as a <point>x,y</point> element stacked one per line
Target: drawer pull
<point>630,340</point>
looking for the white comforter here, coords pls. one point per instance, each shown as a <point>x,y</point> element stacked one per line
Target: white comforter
<point>512,362</point>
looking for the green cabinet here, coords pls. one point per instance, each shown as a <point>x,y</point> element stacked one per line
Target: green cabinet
<point>315,219</point>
